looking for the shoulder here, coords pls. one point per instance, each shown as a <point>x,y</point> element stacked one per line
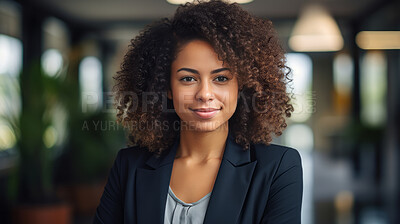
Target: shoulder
<point>276,154</point>
<point>133,155</point>
<point>281,164</point>
<point>133,151</point>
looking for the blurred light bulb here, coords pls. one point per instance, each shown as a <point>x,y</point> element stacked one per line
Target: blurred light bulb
<point>315,30</point>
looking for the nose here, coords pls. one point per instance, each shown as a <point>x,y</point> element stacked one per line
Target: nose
<point>205,92</point>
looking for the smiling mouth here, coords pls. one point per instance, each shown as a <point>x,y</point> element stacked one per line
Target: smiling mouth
<point>205,109</point>
<point>205,113</point>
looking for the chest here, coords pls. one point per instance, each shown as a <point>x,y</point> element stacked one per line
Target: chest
<point>190,183</point>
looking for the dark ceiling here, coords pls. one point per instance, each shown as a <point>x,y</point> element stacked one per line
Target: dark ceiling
<point>97,11</point>
<point>117,18</point>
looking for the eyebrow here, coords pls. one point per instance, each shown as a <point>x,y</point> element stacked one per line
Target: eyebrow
<point>197,72</point>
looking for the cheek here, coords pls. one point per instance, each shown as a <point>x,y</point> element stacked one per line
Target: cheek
<point>230,98</point>
<point>233,101</point>
<point>182,98</point>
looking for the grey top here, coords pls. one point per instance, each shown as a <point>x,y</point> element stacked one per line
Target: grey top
<point>179,212</point>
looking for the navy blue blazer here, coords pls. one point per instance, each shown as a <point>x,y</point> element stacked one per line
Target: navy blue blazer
<point>260,185</point>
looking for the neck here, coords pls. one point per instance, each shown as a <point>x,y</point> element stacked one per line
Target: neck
<point>202,146</point>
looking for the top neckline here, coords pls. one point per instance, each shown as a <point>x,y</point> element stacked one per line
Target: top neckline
<point>187,204</point>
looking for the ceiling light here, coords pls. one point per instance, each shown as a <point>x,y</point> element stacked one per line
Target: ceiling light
<point>315,30</point>
<point>178,2</point>
<point>369,40</point>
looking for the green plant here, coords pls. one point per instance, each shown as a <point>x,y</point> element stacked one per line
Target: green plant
<point>86,155</point>
<point>32,179</point>
<point>91,144</point>
<point>90,149</point>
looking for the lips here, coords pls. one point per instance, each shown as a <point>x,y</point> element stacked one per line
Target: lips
<point>205,113</point>
<point>205,109</point>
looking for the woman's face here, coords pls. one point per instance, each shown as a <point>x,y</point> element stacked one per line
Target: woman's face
<point>203,90</point>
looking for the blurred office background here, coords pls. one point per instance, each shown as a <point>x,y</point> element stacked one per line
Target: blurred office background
<point>58,135</point>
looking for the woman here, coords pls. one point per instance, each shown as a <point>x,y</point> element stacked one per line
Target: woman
<point>202,94</point>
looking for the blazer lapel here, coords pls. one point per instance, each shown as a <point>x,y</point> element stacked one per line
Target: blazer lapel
<point>231,184</point>
<point>152,187</point>
<point>227,197</point>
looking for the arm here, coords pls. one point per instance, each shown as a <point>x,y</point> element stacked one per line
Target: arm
<point>110,209</point>
<point>285,197</point>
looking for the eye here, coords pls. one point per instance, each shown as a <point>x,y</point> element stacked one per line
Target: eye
<point>221,78</point>
<point>187,79</point>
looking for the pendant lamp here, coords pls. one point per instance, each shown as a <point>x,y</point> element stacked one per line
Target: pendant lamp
<point>178,2</point>
<point>315,30</point>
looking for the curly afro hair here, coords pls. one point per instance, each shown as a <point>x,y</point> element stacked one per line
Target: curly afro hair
<point>247,43</point>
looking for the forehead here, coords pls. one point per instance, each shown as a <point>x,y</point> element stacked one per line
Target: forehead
<point>197,53</point>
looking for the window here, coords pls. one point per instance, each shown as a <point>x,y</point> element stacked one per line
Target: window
<point>90,81</point>
<point>52,62</point>
<point>301,66</point>
<point>298,134</point>
<point>56,47</point>
<point>10,102</point>
<point>373,87</point>
<point>343,70</point>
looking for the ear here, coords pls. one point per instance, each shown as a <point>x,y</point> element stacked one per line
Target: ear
<point>169,94</point>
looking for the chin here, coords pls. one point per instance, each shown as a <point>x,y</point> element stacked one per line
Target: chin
<point>204,126</point>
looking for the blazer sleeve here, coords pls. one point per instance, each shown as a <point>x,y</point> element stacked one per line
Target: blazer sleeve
<point>110,209</point>
<point>285,197</point>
